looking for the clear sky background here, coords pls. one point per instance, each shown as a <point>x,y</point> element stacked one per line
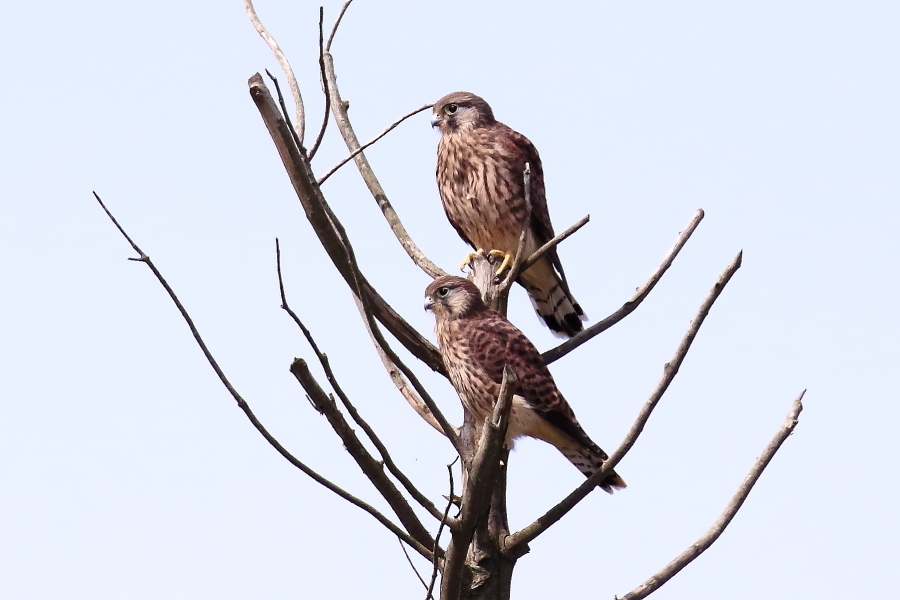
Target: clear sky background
<point>126,470</point>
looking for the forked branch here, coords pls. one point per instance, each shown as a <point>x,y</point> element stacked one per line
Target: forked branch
<point>356,152</point>
<point>351,409</point>
<point>244,406</point>
<point>368,465</point>
<point>514,542</point>
<point>339,109</point>
<point>324,225</point>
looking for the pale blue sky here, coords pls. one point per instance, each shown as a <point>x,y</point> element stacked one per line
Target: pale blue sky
<point>128,472</point>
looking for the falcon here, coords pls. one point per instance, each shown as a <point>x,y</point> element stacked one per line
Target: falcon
<point>481,180</point>
<point>476,342</point>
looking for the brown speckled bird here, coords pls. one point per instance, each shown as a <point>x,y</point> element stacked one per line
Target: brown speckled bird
<point>480,176</point>
<point>476,343</point>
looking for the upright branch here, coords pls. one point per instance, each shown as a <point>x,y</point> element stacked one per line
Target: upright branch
<point>339,109</point>
<point>321,135</point>
<point>481,469</point>
<point>300,117</point>
<point>337,23</point>
<point>451,498</point>
<point>516,267</point>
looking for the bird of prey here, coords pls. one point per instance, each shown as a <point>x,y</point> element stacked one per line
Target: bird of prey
<point>476,343</point>
<point>480,176</point>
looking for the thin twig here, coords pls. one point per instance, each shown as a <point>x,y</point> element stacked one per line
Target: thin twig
<point>540,252</point>
<point>437,537</point>
<point>337,22</point>
<point>284,110</point>
<point>516,267</point>
<point>516,540</point>
<point>285,66</point>
<point>707,540</point>
<point>635,301</point>
<point>342,120</point>
<point>245,407</point>
<point>315,146</point>
<point>356,152</point>
<point>345,400</point>
<point>409,560</point>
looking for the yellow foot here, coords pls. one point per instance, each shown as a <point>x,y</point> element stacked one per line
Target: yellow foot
<point>507,259</point>
<point>467,261</point>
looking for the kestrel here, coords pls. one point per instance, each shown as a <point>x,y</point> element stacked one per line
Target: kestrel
<point>480,176</point>
<point>476,342</point>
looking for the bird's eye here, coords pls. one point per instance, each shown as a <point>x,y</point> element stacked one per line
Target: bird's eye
<point>442,292</point>
<point>452,108</point>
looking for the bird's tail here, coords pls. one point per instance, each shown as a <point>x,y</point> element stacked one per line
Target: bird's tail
<point>552,300</point>
<point>589,462</point>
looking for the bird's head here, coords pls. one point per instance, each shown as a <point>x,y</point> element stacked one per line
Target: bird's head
<point>461,111</point>
<point>450,297</point>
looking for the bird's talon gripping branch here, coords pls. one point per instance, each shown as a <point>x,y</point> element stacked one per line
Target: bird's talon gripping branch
<point>467,261</point>
<point>507,259</point>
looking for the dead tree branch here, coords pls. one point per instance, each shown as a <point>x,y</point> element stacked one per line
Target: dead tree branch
<point>482,476</point>
<point>300,117</point>
<point>550,245</point>
<point>321,135</point>
<point>388,356</point>
<point>370,467</point>
<point>411,565</point>
<point>516,267</point>
<point>324,225</point>
<point>351,409</point>
<point>337,24</point>
<point>514,541</point>
<point>635,301</point>
<point>495,292</point>
<point>707,540</point>
<point>356,152</point>
<point>342,119</point>
<point>333,238</point>
<point>245,407</point>
<point>437,538</point>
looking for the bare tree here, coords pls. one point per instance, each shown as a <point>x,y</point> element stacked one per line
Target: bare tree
<point>478,559</point>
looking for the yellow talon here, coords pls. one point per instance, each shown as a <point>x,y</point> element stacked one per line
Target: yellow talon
<point>507,259</point>
<point>467,261</point>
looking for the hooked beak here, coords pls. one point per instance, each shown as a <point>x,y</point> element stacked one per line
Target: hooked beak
<point>436,120</point>
<point>429,303</point>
